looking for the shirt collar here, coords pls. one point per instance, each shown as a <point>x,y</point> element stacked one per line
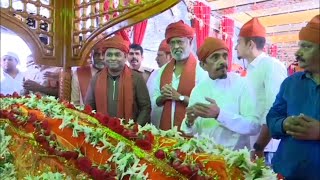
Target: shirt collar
<point>257,60</point>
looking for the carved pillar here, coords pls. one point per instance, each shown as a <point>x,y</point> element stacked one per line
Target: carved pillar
<point>65,37</point>
<point>65,84</point>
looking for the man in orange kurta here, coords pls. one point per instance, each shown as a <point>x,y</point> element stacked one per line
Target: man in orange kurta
<point>118,90</point>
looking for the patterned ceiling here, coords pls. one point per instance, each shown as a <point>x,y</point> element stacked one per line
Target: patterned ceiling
<point>282,18</point>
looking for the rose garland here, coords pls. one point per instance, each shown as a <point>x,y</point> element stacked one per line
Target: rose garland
<point>174,155</point>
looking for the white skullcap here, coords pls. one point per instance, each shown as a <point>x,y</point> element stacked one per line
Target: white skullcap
<point>12,54</point>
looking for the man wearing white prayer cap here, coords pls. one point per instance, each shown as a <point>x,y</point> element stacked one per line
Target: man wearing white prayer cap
<point>11,78</point>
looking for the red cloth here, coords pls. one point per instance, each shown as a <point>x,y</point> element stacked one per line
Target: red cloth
<point>202,12</point>
<point>84,77</point>
<point>187,82</point>
<point>139,31</point>
<point>209,46</point>
<point>228,30</point>
<point>125,93</point>
<point>253,28</point>
<point>164,46</point>
<point>311,32</point>
<point>116,42</point>
<point>178,29</point>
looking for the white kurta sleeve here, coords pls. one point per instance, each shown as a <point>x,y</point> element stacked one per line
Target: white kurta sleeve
<point>247,121</point>
<point>274,77</point>
<point>75,89</point>
<point>194,98</point>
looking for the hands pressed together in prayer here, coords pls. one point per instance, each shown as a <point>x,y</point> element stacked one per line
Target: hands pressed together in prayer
<point>170,93</point>
<point>30,85</point>
<point>302,127</point>
<point>203,110</point>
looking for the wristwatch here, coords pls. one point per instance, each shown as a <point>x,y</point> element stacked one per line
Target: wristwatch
<point>257,147</point>
<point>181,98</point>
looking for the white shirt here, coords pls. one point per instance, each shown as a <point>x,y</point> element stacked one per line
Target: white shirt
<point>266,74</point>
<point>9,85</point>
<point>238,118</point>
<point>31,73</point>
<point>76,96</point>
<point>155,110</point>
<point>154,88</point>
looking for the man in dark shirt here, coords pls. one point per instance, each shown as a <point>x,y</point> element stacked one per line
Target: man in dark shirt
<point>117,90</point>
<point>295,115</point>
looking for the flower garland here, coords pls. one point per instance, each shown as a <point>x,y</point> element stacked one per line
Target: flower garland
<point>106,147</point>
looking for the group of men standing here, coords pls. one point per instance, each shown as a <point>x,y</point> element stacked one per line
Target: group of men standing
<point>201,98</point>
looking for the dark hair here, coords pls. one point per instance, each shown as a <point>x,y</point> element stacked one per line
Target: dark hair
<point>136,47</point>
<point>259,41</point>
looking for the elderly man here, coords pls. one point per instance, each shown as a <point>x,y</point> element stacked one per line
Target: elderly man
<point>295,115</point>
<point>176,79</point>
<point>265,74</point>
<point>82,76</point>
<point>117,90</point>
<point>135,58</point>
<point>163,57</point>
<point>222,106</point>
<point>11,78</point>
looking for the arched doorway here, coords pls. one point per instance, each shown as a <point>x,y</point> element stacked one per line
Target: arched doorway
<point>11,42</point>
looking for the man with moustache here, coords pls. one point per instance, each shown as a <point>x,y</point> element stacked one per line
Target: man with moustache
<point>222,106</point>
<point>11,78</point>
<point>176,79</point>
<point>163,57</point>
<point>82,76</point>
<point>118,90</point>
<point>265,74</point>
<point>295,115</point>
<point>135,58</point>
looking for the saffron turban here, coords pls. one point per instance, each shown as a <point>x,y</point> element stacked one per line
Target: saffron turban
<point>311,32</point>
<point>179,29</point>
<point>164,46</point>
<point>253,28</point>
<point>116,42</point>
<point>209,46</point>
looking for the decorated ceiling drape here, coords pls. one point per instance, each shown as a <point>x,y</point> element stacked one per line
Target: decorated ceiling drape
<point>201,23</point>
<point>227,26</point>
<point>138,29</point>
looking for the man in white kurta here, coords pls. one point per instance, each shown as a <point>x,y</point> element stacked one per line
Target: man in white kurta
<point>175,80</point>
<point>11,78</point>
<point>266,75</point>
<point>163,57</point>
<point>222,106</point>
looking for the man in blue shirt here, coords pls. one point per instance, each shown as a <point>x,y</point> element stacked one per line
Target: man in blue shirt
<point>295,115</point>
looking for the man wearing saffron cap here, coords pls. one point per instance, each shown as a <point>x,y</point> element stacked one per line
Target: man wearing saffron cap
<point>163,57</point>
<point>117,90</point>
<point>176,79</point>
<point>82,76</point>
<point>223,105</point>
<point>265,74</point>
<point>10,77</point>
<point>295,115</point>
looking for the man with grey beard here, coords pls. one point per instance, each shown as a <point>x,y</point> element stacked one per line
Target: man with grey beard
<point>176,79</point>
<point>82,76</point>
<point>223,105</point>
